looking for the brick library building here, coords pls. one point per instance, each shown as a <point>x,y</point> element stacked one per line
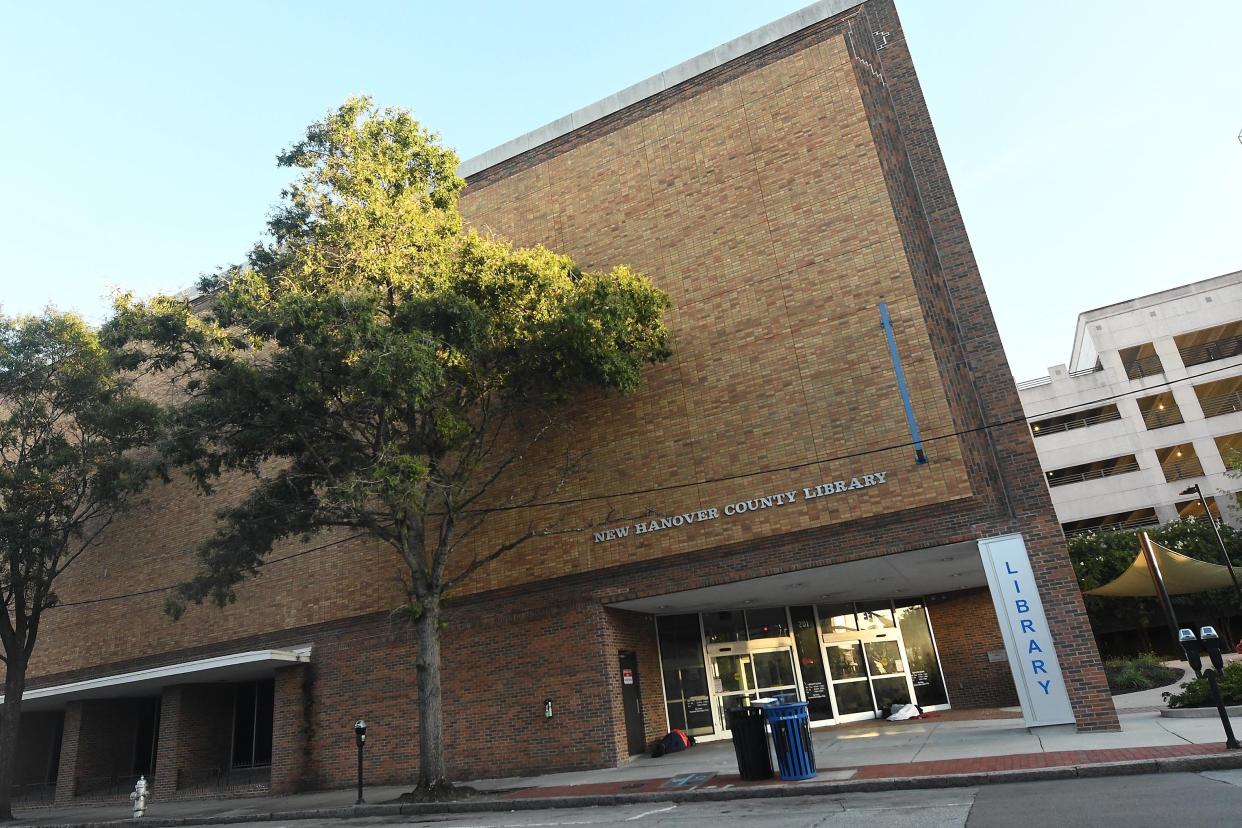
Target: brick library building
<point>841,498</point>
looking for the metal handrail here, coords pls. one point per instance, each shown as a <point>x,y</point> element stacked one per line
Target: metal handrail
<point>222,778</point>
<point>1047,380</point>
<point>34,793</point>
<point>1094,474</point>
<point>1219,404</point>
<point>1162,419</point>
<point>1138,523</point>
<point>1148,366</point>
<point>1211,351</point>
<point>1057,428</point>
<point>1182,469</point>
<point>114,785</point>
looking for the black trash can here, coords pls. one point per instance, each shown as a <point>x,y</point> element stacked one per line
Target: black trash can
<point>750,742</point>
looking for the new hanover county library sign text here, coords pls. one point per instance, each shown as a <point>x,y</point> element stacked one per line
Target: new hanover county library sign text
<point>740,507</point>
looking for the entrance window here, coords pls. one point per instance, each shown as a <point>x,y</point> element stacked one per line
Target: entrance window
<point>876,616</point>
<point>814,680</point>
<point>845,661</point>
<point>766,623</point>
<point>921,653</point>
<point>838,618</point>
<point>686,693</point>
<point>773,669</point>
<point>252,723</point>
<point>723,627</point>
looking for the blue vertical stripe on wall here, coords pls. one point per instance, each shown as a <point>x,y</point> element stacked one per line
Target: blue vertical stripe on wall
<point>902,388</point>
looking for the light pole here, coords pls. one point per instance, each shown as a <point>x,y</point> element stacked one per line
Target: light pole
<point>360,733</point>
<point>1194,646</point>
<point>1220,541</point>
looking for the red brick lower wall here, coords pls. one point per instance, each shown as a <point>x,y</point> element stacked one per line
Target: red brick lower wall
<point>634,632</point>
<point>965,628</point>
<point>291,727</point>
<point>196,733</point>
<point>498,671</point>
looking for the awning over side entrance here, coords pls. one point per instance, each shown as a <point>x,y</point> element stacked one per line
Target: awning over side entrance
<point>235,667</point>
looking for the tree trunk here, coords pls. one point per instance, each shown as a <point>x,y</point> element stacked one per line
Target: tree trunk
<point>431,770</point>
<point>10,723</point>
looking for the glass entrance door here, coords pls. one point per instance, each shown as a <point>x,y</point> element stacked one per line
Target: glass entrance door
<point>743,678</point>
<point>866,660</point>
<point>890,677</point>
<point>851,688</point>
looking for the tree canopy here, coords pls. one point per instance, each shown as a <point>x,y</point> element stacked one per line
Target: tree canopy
<point>71,433</point>
<point>380,366</point>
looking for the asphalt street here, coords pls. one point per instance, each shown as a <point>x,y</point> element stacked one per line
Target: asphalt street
<point>1165,800</point>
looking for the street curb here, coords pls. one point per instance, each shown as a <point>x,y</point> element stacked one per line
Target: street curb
<point>1177,764</point>
<point>1199,712</point>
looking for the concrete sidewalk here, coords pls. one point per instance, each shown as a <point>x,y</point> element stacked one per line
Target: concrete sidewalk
<point>934,752</point>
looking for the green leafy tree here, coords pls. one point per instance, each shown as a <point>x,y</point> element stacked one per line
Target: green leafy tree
<point>71,434</point>
<point>380,367</point>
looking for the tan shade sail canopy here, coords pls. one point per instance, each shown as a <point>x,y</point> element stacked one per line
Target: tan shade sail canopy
<point>1182,575</point>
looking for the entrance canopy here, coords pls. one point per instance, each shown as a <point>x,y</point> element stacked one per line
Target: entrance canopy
<point>1182,575</point>
<point>905,574</point>
<point>236,667</point>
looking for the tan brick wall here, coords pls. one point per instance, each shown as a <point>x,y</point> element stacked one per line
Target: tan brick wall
<point>761,206</point>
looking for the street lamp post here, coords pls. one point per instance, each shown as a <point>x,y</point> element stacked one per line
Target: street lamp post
<point>1219,540</point>
<point>360,734</point>
<point>1194,647</point>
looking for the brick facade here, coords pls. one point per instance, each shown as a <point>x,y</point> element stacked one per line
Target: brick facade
<point>966,631</point>
<point>196,734</point>
<point>778,198</point>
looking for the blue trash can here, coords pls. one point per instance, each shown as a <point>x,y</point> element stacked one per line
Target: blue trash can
<point>791,736</point>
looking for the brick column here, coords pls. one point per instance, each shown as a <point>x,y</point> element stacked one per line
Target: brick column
<point>69,741</point>
<point>291,729</point>
<point>196,732</point>
<point>97,743</point>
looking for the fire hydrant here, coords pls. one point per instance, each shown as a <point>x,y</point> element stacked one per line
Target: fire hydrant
<point>139,797</point>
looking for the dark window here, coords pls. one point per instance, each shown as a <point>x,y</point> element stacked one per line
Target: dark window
<point>252,723</point>
<point>148,736</point>
<point>685,676</point>
<point>921,654</point>
<point>814,682</point>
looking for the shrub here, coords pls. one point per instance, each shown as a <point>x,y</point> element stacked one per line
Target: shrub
<point>1197,693</point>
<point>1143,672</point>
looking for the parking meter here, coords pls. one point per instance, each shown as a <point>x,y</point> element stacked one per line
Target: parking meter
<point>1211,643</point>
<point>1193,648</point>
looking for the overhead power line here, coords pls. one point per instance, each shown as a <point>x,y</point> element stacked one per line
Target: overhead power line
<point>724,479</point>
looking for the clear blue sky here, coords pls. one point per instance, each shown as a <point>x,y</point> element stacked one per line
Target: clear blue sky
<point>1093,145</point>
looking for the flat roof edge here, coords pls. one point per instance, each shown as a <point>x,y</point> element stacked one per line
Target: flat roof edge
<point>655,84</point>
<point>298,654</point>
